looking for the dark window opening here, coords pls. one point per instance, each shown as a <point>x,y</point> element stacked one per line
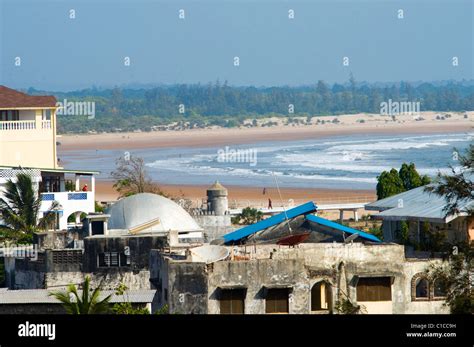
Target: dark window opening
<point>321,297</point>
<point>277,300</point>
<point>50,184</point>
<point>97,227</point>
<point>113,259</point>
<point>9,115</point>
<point>374,289</point>
<point>232,301</point>
<point>422,288</point>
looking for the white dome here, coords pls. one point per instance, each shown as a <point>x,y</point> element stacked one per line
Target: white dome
<point>143,208</point>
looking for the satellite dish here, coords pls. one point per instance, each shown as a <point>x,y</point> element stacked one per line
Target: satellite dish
<point>351,238</point>
<point>209,254</point>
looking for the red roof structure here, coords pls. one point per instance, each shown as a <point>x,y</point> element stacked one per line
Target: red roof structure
<point>10,98</point>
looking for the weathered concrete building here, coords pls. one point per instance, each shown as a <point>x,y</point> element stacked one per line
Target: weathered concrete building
<point>106,260</point>
<point>312,278</point>
<point>116,250</point>
<point>294,262</point>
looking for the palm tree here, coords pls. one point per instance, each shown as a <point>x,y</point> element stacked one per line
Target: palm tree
<point>20,206</point>
<point>87,303</point>
<point>457,187</point>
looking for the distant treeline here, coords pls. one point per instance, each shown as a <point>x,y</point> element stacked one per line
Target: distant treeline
<point>220,104</point>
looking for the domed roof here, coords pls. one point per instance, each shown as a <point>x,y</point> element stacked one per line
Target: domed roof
<point>217,186</point>
<point>143,208</point>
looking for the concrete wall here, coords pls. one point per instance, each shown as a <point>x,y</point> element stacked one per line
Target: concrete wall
<point>256,276</point>
<point>140,248</point>
<point>214,226</point>
<point>108,281</point>
<point>22,279</point>
<point>187,288</point>
<point>52,272</point>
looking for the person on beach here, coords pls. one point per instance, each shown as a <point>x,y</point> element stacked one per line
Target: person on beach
<point>270,207</point>
<point>264,190</point>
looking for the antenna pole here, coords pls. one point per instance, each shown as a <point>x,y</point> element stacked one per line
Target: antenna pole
<point>281,200</point>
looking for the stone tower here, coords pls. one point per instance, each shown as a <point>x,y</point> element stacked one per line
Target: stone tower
<point>217,199</point>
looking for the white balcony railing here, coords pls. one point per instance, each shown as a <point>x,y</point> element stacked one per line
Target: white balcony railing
<point>45,124</point>
<point>18,125</point>
<point>24,125</point>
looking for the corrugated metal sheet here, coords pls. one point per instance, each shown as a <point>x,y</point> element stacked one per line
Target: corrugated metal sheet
<point>41,296</point>
<point>415,204</point>
<point>241,233</point>
<point>340,227</point>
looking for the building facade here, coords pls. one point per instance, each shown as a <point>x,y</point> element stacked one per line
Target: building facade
<point>310,279</point>
<point>28,144</point>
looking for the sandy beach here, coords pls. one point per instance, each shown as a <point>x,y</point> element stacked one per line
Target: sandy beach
<point>251,195</point>
<point>244,196</point>
<point>240,197</point>
<point>349,125</point>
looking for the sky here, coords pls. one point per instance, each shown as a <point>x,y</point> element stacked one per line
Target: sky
<point>61,53</point>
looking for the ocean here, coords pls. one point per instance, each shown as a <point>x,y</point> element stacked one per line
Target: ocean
<point>346,162</point>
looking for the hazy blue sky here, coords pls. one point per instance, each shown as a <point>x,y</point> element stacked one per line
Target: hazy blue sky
<point>62,53</point>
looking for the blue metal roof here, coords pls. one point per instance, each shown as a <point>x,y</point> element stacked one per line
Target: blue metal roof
<point>244,232</point>
<point>340,227</point>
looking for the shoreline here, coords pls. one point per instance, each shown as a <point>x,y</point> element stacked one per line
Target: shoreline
<point>238,136</point>
<point>243,196</point>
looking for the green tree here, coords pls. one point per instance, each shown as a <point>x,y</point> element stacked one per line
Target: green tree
<point>248,216</point>
<point>98,207</point>
<point>389,183</point>
<point>126,307</point>
<point>20,206</point>
<point>457,187</point>
<point>455,277</point>
<point>87,303</point>
<point>409,176</point>
<point>394,182</point>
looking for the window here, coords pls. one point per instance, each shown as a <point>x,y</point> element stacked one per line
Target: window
<point>113,259</point>
<point>422,288</point>
<point>13,115</point>
<point>232,301</point>
<point>46,115</point>
<point>374,289</point>
<point>50,184</point>
<point>321,297</point>
<point>439,288</point>
<point>108,259</point>
<point>276,300</point>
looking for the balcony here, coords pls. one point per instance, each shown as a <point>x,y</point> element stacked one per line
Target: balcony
<point>70,202</point>
<point>25,125</point>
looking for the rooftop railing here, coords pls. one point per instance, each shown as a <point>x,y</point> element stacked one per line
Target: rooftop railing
<point>24,125</point>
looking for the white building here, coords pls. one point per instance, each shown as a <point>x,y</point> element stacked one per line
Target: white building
<point>28,144</point>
